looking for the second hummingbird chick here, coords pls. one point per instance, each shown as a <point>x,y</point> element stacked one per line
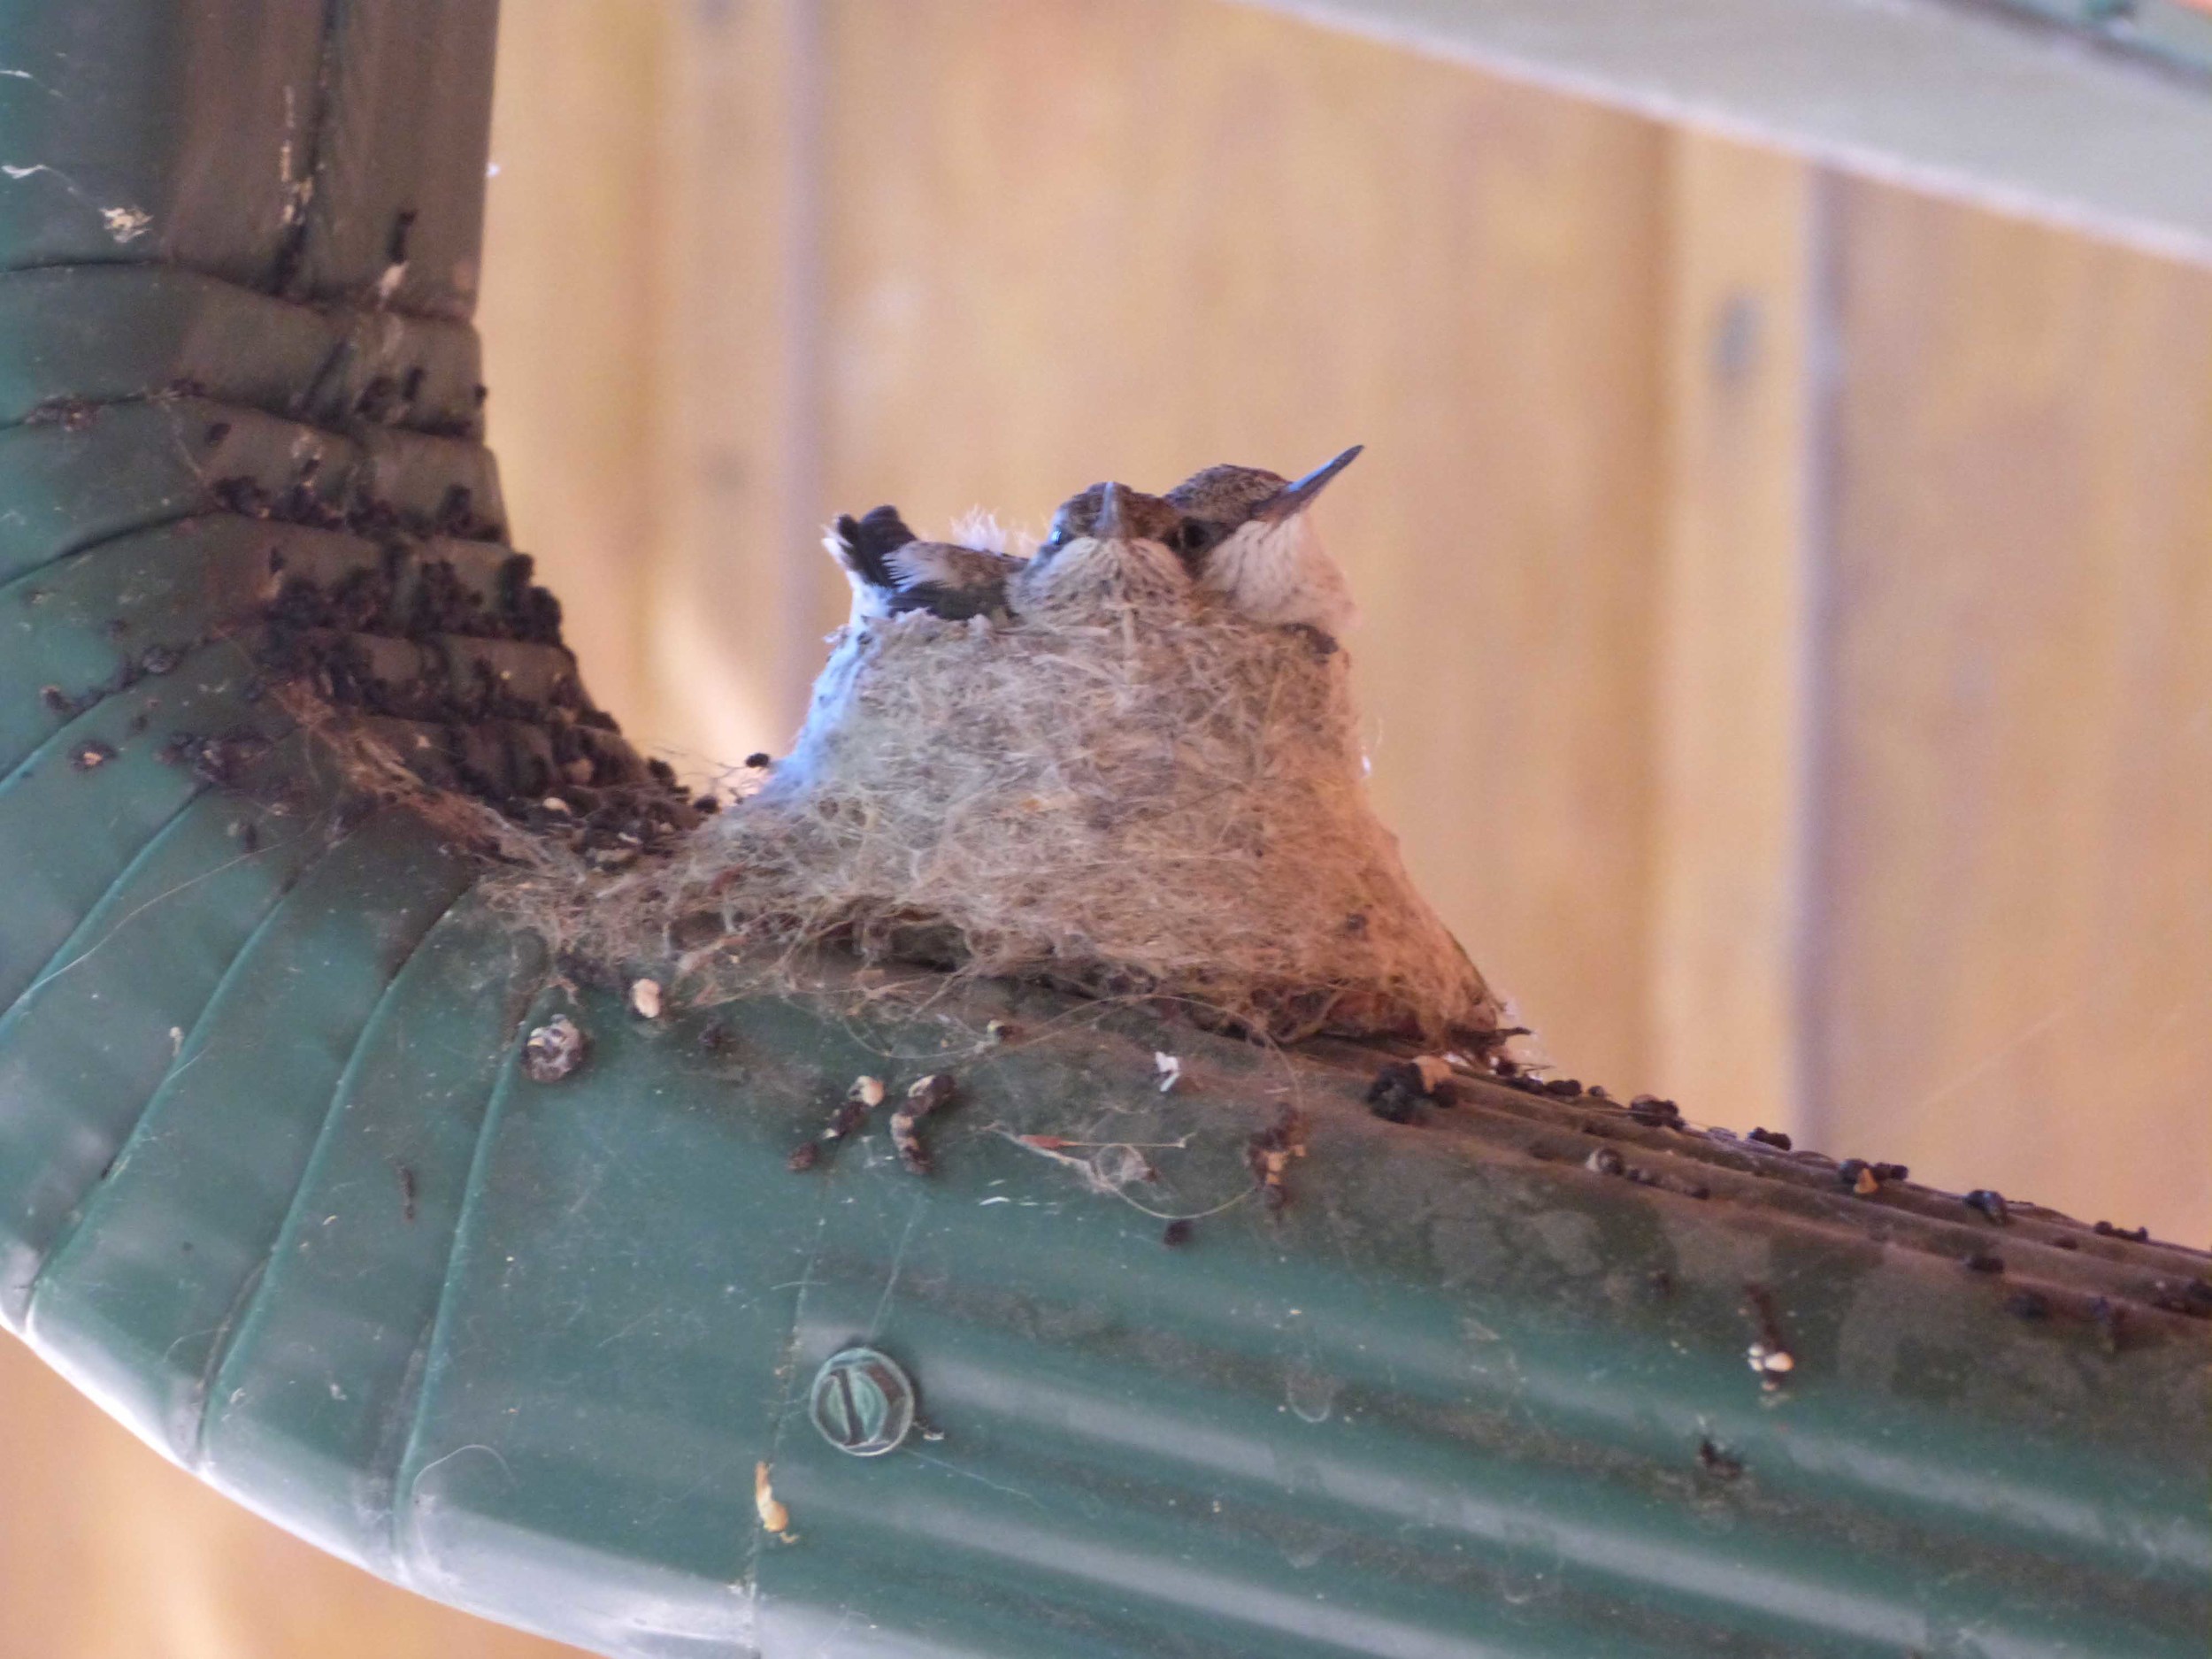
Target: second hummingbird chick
<point>1246,537</point>
<point>1137,517</point>
<point>1110,545</point>
<point>892,571</point>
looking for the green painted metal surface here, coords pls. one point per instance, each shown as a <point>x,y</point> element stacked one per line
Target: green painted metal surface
<point>274,1188</point>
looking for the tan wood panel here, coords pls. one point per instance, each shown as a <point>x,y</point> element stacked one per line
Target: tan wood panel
<point>735,590</point>
<point>1091,239</point>
<point>568,312</point>
<point>2016,950</point>
<point>1733,622</point>
<point>109,1551</point>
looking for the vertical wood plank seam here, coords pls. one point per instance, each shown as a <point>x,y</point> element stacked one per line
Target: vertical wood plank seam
<point>1812,934</point>
<point>1732,629</point>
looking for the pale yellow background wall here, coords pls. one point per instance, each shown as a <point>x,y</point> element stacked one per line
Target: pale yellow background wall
<point>1789,623</point>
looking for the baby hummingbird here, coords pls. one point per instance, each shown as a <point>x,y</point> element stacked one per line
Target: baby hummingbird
<point>1109,544</point>
<point>1111,513</point>
<point>892,571</point>
<point>1245,535</point>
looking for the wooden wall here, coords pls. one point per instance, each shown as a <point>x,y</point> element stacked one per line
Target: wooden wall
<point>1788,653</point>
<point>2011,958</point>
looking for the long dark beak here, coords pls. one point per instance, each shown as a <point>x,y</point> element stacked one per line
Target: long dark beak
<point>1113,520</point>
<point>1295,497</point>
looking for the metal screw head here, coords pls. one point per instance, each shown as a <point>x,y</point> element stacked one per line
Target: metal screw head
<point>863,1402</point>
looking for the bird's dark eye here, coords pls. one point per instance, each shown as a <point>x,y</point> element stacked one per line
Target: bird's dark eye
<point>1194,536</point>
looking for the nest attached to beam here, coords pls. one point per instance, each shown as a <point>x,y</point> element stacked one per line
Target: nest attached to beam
<point>1131,790</point>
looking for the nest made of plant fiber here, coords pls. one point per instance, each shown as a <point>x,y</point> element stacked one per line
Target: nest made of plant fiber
<point>1128,790</point>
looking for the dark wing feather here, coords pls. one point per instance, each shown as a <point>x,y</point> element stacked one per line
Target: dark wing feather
<point>866,544</point>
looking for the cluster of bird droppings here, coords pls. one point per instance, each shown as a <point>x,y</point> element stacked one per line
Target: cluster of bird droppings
<point>774,1516</point>
<point>1267,1154</point>
<point>1128,765</point>
<point>1402,1086</point>
<point>152,662</point>
<point>1772,1364</point>
<point>554,1050</point>
<point>421,647</point>
<point>1769,1355</point>
<point>924,1097</point>
<point>437,669</point>
<point>1606,1161</point>
<point>1990,1204</point>
<point>1866,1180</point>
<point>307,499</point>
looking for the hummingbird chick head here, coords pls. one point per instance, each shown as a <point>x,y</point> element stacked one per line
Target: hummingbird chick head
<point>1109,549</point>
<point>1246,535</point>
<point>1111,513</point>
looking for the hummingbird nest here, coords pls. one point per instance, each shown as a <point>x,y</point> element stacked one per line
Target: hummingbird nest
<point>1093,768</point>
